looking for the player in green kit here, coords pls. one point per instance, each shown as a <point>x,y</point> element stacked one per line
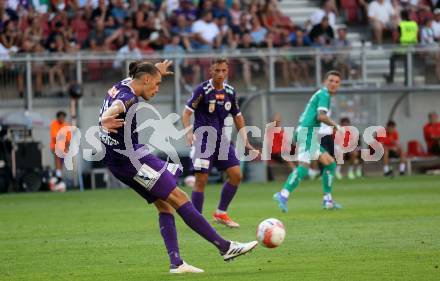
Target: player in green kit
<point>308,143</point>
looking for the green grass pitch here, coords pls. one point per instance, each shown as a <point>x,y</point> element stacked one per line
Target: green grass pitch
<point>388,230</point>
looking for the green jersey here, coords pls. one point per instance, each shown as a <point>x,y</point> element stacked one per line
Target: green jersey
<point>319,101</point>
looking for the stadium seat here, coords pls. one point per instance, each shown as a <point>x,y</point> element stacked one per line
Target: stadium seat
<point>350,8</point>
<point>415,149</point>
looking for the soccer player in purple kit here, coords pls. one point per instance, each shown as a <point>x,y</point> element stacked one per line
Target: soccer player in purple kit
<point>155,180</point>
<point>211,102</point>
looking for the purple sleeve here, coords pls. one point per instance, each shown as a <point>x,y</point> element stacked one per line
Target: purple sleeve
<point>193,102</point>
<point>127,99</point>
<point>235,109</point>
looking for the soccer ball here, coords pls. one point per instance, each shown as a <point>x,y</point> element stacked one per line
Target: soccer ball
<point>190,181</point>
<point>271,233</point>
<point>57,185</point>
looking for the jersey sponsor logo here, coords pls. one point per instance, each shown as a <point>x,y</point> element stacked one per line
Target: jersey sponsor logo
<point>113,92</point>
<point>228,105</point>
<point>219,96</point>
<point>211,107</point>
<point>172,168</point>
<point>129,103</point>
<point>147,177</point>
<point>201,163</point>
<point>106,139</point>
<point>195,103</point>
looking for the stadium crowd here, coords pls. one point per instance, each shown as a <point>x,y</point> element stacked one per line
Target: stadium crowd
<point>139,27</point>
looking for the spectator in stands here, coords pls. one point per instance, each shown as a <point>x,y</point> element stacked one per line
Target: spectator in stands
<point>38,68</point>
<point>300,65</point>
<point>121,36</point>
<point>59,141</point>
<point>119,12</point>
<point>276,150</point>
<point>190,71</point>
<point>436,24</point>
<point>6,14</point>
<point>57,68</point>
<point>258,33</point>
<point>220,10</point>
<point>80,27</point>
<point>248,64</point>
<point>130,49</point>
<point>322,33</point>
<point>392,149</point>
<point>408,35</point>
<point>97,37</point>
<point>427,34</point>
<point>431,132</point>
<point>205,31</point>
<point>184,30</point>
<point>328,9</point>
<point>186,8</point>
<point>235,13</point>
<point>100,11</point>
<point>342,60</point>
<point>354,165</point>
<point>10,37</point>
<point>142,24</point>
<point>205,6</point>
<point>225,37</point>
<point>382,16</point>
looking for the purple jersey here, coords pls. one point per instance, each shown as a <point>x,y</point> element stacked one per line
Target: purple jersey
<point>154,179</point>
<point>211,106</point>
<point>120,92</point>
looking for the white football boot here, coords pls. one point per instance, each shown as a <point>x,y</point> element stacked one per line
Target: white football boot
<point>185,268</point>
<point>237,249</point>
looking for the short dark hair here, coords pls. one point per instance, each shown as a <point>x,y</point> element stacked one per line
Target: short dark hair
<point>345,120</point>
<point>219,60</point>
<point>332,72</point>
<point>61,113</point>
<point>391,123</point>
<point>138,68</point>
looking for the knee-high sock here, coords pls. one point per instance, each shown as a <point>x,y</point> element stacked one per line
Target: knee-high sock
<point>199,224</point>
<point>228,193</point>
<point>169,235</point>
<point>197,199</point>
<point>328,175</point>
<point>295,178</point>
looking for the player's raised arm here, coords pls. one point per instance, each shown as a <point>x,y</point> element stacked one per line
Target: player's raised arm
<point>163,67</point>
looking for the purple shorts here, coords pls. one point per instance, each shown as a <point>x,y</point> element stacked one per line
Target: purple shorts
<point>156,179</point>
<point>222,159</point>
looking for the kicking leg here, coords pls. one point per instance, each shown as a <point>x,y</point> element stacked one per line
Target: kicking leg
<point>228,249</point>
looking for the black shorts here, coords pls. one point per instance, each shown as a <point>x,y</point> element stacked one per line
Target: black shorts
<point>393,154</point>
<point>328,143</point>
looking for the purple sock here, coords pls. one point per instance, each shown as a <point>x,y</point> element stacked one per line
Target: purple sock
<point>228,193</point>
<point>197,199</point>
<point>169,234</point>
<point>199,224</point>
